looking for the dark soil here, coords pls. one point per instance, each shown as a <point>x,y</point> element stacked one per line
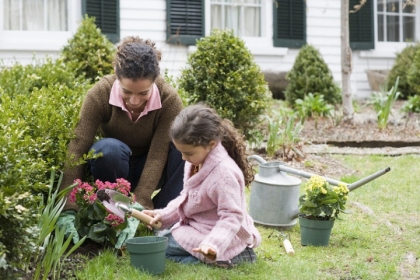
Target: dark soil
<point>402,130</point>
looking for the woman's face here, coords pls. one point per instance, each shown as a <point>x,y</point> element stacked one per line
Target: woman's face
<point>194,154</point>
<point>135,93</point>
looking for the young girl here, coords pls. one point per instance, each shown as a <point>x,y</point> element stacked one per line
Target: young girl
<point>209,218</point>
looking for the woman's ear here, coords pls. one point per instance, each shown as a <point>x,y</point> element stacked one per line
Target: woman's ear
<point>113,66</point>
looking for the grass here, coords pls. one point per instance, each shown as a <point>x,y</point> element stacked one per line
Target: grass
<point>376,241</point>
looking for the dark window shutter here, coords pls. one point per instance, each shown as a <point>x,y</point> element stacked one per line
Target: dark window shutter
<point>361,26</point>
<point>185,21</point>
<point>107,16</point>
<point>289,18</point>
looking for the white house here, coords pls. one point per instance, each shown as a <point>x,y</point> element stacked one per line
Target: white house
<point>273,30</point>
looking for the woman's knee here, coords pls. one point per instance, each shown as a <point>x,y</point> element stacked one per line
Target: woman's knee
<point>111,149</point>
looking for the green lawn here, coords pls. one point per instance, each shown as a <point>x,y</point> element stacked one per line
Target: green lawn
<point>380,239</point>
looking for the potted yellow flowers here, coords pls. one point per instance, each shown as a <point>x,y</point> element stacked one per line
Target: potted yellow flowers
<point>319,206</point>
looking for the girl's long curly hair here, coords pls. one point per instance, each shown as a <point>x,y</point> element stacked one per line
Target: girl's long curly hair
<point>198,124</point>
<point>137,59</point>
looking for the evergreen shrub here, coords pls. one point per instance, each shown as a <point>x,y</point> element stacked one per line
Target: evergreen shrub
<point>413,75</point>
<point>403,68</point>
<point>23,79</point>
<point>39,108</point>
<point>223,74</point>
<point>36,129</point>
<point>310,74</point>
<point>89,53</point>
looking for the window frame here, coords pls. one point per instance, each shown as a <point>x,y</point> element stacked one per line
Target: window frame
<point>266,26</point>
<point>261,5</point>
<point>401,15</point>
<point>22,40</point>
<point>388,49</point>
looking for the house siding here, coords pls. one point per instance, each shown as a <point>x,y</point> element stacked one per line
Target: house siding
<point>147,19</point>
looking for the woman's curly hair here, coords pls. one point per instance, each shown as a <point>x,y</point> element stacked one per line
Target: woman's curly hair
<point>137,59</point>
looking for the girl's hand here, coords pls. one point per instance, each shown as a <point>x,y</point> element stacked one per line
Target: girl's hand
<point>207,251</point>
<point>156,217</point>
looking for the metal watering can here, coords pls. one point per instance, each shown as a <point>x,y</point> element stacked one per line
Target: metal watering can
<point>275,194</point>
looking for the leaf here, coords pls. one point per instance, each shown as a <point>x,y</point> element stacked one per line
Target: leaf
<point>310,204</point>
<point>99,227</point>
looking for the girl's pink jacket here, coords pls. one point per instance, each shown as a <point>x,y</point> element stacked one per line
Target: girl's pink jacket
<point>212,209</point>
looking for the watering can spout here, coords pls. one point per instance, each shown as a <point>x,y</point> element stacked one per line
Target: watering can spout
<point>363,181</point>
<point>257,158</point>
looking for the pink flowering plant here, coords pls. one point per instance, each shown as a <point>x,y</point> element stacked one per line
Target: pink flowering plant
<point>93,219</point>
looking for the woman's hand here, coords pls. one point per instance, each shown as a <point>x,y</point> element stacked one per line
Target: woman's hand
<point>207,251</point>
<point>156,217</point>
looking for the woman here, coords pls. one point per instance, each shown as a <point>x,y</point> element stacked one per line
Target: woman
<point>133,111</point>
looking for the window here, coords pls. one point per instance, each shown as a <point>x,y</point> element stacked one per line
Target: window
<point>35,15</point>
<point>396,21</point>
<point>259,22</point>
<point>243,16</point>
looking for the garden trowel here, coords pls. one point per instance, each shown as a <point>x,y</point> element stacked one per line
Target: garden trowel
<point>119,204</point>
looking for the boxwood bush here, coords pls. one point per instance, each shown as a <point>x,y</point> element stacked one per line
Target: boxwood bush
<point>310,74</point>
<point>89,53</point>
<point>223,74</point>
<point>39,108</point>
<point>40,73</point>
<point>413,74</point>
<point>404,69</point>
<point>36,131</point>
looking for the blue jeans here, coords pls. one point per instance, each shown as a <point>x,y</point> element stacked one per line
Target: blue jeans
<point>117,162</point>
<point>176,253</point>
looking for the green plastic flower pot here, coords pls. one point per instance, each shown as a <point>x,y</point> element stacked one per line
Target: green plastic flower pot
<point>315,232</point>
<point>147,253</point>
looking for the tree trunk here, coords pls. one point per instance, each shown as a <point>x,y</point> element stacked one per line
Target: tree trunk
<point>346,63</point>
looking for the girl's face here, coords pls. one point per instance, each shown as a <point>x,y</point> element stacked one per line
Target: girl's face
<point>135,93</point>
<point>195,154</point>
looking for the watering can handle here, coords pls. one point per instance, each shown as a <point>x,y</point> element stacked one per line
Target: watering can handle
<point>257,158</point>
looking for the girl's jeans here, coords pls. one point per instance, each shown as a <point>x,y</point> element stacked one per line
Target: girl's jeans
<point>176,253</point>
<point>117,162</point>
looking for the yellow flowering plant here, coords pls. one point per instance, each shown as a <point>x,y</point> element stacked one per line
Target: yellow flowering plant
<point>321,200</point>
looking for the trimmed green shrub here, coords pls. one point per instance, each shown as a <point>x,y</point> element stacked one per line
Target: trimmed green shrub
<point>310,74</point>
<point>39,108</point>
<point>223,74</point>
<point>40,73</point>
<point>413,74</point>
<point>36,129</point>
<point>18,219</point>
<point>89,53</point>
<point>404,67</point>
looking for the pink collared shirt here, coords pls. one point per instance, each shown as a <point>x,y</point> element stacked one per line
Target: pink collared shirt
<point>153,103</point>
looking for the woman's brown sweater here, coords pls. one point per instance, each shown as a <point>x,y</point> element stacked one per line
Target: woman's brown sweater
<point>148,135</point>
